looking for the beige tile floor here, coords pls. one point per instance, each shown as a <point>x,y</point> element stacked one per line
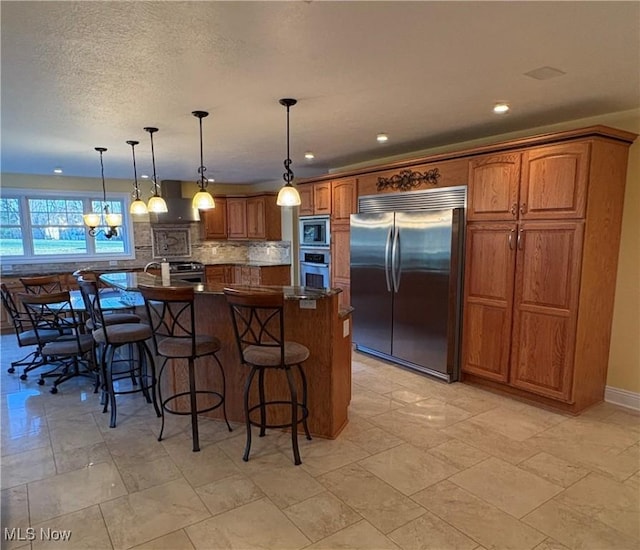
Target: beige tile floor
<point>421,465</point>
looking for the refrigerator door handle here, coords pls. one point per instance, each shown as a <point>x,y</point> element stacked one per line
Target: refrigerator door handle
<point>395,266</point>
<point>387,246</point>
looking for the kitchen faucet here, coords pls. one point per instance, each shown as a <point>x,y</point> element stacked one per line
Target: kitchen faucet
<point>150,264</point>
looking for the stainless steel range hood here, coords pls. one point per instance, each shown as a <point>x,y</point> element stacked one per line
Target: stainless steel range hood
<point>180,210</point>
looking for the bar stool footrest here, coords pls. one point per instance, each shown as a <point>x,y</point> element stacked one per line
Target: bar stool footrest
<point>301,407</point>
<point>188,394</point>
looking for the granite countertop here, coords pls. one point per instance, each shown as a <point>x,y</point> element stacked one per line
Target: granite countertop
<point>129,281</point>
<point>251,264</point>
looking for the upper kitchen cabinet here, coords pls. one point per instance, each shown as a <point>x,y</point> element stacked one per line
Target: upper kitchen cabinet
<point>255,218</point>
<point>554,182</point>
<point>315,199</point>
<point>306,199</point>
<point>344,200</point>
<point>541,183</point>
<point>214,221</point>
<point>494,182</point>
<point>237,218</point>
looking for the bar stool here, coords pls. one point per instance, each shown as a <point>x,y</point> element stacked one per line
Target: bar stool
<point>112,336</point>
<point>172,316</point>
<point>258,322</point>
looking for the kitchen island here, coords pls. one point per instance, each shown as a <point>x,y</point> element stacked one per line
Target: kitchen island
<point>312,318</point>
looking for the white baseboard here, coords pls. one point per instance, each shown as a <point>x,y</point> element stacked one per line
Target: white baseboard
<point>623,398</point>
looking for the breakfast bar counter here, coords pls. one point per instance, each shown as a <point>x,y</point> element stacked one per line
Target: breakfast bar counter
<point>312,318</point>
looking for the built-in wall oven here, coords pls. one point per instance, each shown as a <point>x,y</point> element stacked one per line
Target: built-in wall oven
<point>315,267</point>
<point>314,231</point>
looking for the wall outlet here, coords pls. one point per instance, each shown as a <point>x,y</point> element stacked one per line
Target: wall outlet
<point>345,328</point>
<point>214,250</point>
<point>307,304</point>
<point>113,262</point>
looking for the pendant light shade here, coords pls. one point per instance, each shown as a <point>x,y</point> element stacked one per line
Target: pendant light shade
<point>137,205</point>
<point>156,202</point>
<point>202,200</point>
<point>94,219</point>
<point>288,194</point>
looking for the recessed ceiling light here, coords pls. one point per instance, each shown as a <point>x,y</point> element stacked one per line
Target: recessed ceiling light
<point>382,138</point>
<point>57,170</point>
<point>500,108</point>
<point>144,176</point>
<point>309,155</point>
<point>544,73</point>
<point>210,180</point>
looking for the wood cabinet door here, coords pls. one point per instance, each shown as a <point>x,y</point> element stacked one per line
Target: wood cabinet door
<point>276,275</point>
<point>215,274</point>
<point>488,299</point>
<point>322,198</point>
<point>237,218</point>
<point>214,221</point>
<point>237,275</point>
<point>306,199</point>
<point>256,224</point>
<point>341,262</point>
<point>494,182</point>
<point>554,182</point>
<point>545,307</point>
<point>344,200</point>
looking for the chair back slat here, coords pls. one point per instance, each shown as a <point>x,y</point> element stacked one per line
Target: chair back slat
<point>258,319</point>
<point>91,298</point>
<point>46,284</point>
<point>19,319</point>
<point>51,312</point>
<point>171,313</point>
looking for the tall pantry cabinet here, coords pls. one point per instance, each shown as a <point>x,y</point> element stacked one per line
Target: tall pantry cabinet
<point>542,244</point>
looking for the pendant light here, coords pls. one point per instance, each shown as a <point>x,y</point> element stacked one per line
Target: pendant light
<point>94,219</point>
<point>202,200</point>
<point>156,202</point>
<point>137,206</point>
<point>288,194</point>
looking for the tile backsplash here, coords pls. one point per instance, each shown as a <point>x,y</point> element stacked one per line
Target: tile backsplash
<point>208,252</point>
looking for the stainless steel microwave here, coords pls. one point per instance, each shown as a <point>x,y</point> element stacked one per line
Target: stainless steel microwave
<point>314,231</point>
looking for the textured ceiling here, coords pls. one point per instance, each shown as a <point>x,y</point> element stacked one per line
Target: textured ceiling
<point>76,75</point>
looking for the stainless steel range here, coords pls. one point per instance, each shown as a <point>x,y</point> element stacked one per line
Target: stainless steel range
<point>192,272</point>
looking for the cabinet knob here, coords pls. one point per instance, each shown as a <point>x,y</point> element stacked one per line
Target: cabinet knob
<point>514,208</point>
<point>523,208</point>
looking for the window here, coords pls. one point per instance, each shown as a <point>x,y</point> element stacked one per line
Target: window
<point>39,225</point>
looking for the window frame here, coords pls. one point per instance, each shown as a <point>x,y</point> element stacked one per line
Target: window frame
<point>23,196</point>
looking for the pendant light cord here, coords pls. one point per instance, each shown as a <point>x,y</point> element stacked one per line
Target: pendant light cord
<point>288,175</point>
<point>203,181</point>
<point>104,189</point>
<point>153,162</point>
<point>135,173</point>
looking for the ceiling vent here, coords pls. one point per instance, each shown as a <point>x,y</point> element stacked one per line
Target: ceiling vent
<point>544,73</point>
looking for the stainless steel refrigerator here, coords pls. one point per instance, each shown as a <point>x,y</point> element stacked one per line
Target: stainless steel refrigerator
<point>406,277</point>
